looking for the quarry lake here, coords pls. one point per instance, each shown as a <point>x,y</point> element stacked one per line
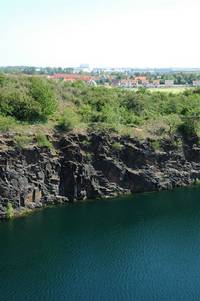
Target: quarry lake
<point>144,247</point>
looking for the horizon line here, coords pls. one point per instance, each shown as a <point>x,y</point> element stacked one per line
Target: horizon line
<point>96,67</point>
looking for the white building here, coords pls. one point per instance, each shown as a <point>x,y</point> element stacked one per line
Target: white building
<point>82,68</point>
<point>196,83</point>
<point>169,83</point>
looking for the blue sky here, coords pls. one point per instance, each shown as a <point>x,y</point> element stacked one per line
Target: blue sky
<point>120,33</point>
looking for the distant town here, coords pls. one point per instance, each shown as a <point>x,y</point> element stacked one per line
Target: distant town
<point>116,77</point>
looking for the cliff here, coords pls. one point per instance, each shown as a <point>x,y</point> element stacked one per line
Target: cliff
<point>92,166</point>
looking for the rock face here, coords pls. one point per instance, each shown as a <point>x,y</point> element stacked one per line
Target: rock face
<point>93,166</point>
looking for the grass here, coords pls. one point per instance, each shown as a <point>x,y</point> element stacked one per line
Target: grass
<point>197,182</point>
<point>175,90</point>
<point>9,211</point>
<point>22,141</point>
<point>7,123</point>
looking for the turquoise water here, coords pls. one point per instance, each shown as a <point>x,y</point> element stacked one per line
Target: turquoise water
<point>145,247</point>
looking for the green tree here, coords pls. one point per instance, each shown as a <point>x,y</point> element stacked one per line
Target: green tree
<point>42,92</point>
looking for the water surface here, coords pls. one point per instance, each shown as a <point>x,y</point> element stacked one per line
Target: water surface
<point>145,247</point>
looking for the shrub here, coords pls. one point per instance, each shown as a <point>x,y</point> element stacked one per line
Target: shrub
<point>173,121</point>
<point>155,144</point>
<point>86,143</point>
<point>9,211</point>
<point>15,103</point>
<point>177,143</point>
<point>42,92</point>
<point>27,99</point>
<point>117,146</point>
<point>87,113</point>
<point>88,156</point>
<point>111,114</point>
<point>43,141</point>
<point>68,120</point>
<point>189,127</point>
<point>7,123</point>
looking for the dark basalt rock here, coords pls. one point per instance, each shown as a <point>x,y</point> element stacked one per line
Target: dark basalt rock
<point>89,166</point>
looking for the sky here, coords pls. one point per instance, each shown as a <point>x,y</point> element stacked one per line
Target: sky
<point>101,33</point>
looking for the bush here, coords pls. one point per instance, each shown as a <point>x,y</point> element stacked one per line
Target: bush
<point>68,120</point>
<point>9,211</point>
<point>88,156</point>
<point>19,105</point>
<point>27,99</point>
<point>42,92</point>
<point>189,127</point>
<point>117,146</point>
<point>43,141</point>
<point>87,114</point>
<point>173,121</point>
<point>155,144</point>
<point>7,123</point>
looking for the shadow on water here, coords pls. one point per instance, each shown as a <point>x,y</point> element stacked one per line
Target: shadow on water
<point>142,247</point>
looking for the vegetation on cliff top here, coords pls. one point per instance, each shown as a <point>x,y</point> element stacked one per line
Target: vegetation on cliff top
<point>26,101</point>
